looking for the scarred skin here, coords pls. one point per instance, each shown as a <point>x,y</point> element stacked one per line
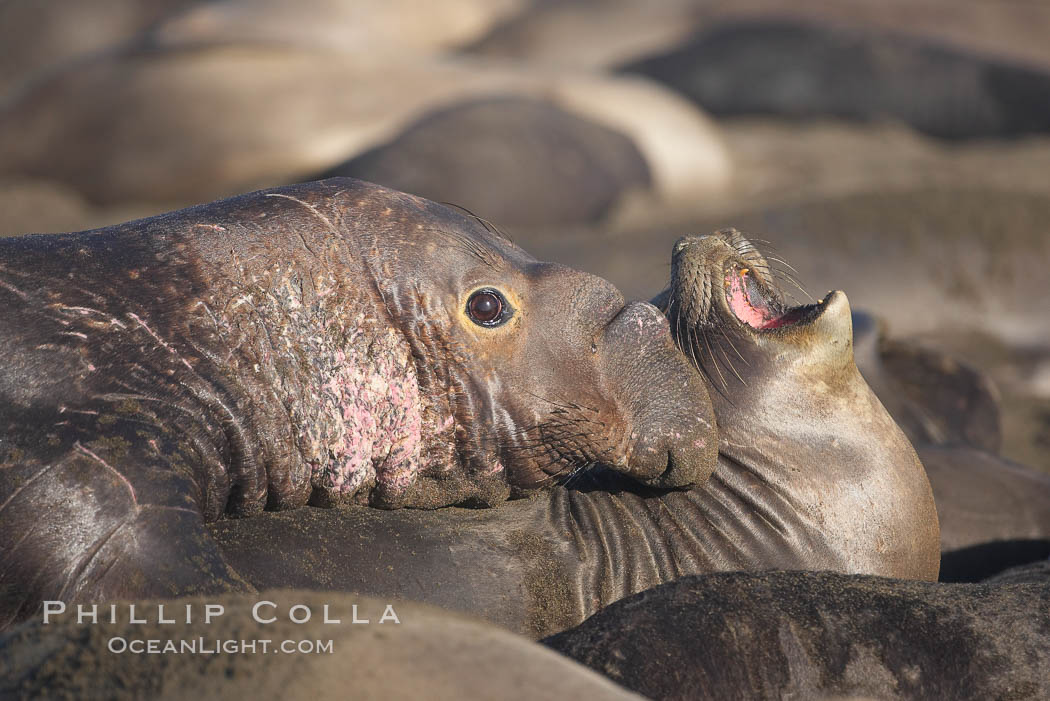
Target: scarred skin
<point>305,344</point>
<point>813,473</point>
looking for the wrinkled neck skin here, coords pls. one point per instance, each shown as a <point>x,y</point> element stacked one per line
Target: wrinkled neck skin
<point>543,564</point>
<point>818,494</point>
<point>817,448</point>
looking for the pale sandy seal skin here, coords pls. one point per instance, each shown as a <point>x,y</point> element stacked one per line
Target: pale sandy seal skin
<point>155,138</point>
<point>427,653</point>
<point>318,343</point>
<point>374,26</point>
<point>801,435</point>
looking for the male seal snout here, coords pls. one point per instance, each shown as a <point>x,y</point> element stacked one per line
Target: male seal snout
<point>328,342</point>
<point>670,443</point>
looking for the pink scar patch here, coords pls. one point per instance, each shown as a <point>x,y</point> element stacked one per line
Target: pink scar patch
<point>372,412</point>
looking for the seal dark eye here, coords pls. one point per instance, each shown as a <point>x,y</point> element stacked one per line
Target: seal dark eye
<point>487,308</point>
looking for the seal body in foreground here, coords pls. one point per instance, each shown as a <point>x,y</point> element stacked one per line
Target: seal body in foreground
<point>397,649</point>
<point>329,342</point>
<point>822,635</point>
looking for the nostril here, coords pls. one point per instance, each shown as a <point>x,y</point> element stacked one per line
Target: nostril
<point>594,301</point>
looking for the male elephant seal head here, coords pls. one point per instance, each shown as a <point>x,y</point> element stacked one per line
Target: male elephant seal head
<point>541,369</point>
<point>442,364</point>
<point>795,412</point>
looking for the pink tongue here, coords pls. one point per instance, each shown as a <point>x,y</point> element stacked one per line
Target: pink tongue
<point>740,303</point>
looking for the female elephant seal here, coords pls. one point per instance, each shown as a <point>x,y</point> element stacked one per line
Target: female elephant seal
<point>805,447</point>
<point>334,340</point>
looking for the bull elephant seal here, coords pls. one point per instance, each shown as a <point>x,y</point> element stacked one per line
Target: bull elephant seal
<point>334,341</point>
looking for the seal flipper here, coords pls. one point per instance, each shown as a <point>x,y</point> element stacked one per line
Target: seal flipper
<point>85,518</point>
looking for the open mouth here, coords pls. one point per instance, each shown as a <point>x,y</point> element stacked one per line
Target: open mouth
<point>758,306</point>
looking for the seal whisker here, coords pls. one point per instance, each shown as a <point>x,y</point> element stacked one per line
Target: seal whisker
<point>489,226</point>
<point>790,275</point>
<point>573,472</point>
<point>723,386</point>
<point>727,339</point>
<point>714,361</point>
<point>782,267</point>
<point>728,362</point>
<point>581,473</point>
<point>573,406</point>
<point>783,262</point>
<point>692,343</point>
